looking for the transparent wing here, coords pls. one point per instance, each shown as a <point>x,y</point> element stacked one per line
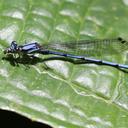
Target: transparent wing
<point>91,48</point>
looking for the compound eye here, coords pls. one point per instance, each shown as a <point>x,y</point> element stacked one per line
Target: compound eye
<point>13,45</point>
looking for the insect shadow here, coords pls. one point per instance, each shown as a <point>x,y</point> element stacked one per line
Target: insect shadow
<point>28,60</point>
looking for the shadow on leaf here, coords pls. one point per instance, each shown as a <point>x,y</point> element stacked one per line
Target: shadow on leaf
<point>33,60</point>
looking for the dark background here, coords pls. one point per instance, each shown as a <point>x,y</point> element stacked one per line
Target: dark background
<point>14,120</point>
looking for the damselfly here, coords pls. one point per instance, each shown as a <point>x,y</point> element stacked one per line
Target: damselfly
<point>84,49</point>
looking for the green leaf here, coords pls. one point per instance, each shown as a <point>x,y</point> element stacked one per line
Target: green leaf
<point>57,92</point>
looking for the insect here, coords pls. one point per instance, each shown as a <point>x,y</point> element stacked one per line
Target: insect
<point>90,47</point>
